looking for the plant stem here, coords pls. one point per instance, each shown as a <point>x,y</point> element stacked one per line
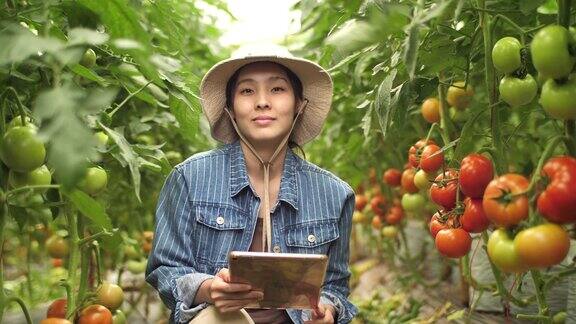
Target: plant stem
<point>74,258</point>
<point>500,159</point>
<point>543,309</point>
<point>20,302</point>
<point>569,125</point>
<point>84,262</point>
<point>3,215</point>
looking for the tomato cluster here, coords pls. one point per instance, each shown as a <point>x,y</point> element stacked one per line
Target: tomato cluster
<point>109,298</point>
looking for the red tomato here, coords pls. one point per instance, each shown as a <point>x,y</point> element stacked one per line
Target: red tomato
<point>432,158</point>
<point>95,314</point>
<point>474,219</point>
<point>542,246</point>
<point>443,190</point>
<point>505,202</point>
<point>55,321</point>
<point>376,222</point>
<point>57,309</point>
<point>392,177</point>
<point>436,224</point>
<point>416,150</point>
<point>557,202</point>
<point>453,242</point>
<point>476,172</point>
<point>408,181</point>
<point>57,263</point>
<point>378,204</point>
<point>361,202</point>
<point>394,215</point>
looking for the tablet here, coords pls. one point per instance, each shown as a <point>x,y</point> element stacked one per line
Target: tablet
<point>288,280</point>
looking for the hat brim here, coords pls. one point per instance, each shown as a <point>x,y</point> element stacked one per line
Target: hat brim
<point>316,84</point>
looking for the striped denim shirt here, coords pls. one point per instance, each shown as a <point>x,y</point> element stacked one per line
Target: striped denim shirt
<point>207,208</point>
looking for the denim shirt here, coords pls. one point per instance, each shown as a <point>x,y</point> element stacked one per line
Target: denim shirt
<point>207,208</point>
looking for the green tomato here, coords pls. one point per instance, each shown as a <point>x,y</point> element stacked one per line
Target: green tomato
<point>101,138</point>
<point>21,149</point>
<point>94,181</point>
<point>559,318</point>
<point>506,55</point>
<point>559,100</point>
<point>550,52</point>
<point>457,115</point>
<point>118,317</point>
<point>413,202</point>
<point>17,121</point>
<point>37,177</point>
<point>518,92</point>
<point>390,231</point>
<point>136,267</point>
<point>502,252</point>
<point>422,179</point>
<point>89,58</point>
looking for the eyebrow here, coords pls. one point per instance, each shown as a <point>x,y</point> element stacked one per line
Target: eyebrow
<point>272,78</point>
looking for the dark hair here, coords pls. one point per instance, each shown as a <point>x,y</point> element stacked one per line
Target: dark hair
<point>294,82</point>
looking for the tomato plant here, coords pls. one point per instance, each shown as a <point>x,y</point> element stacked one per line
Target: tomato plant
<point>95,314</point>
<point>475,173</point>
<point>392,177</point>
<point>474,219</point>
<point>110,295</point>
<point>550,51</point>
<point>557,202</point>
<point>407,181</point>
<point>505,202</point>
<point>542,246</point>
<point>57,247</point>
<point>431,158</point>
<point>21,149</point>
<point>431,110</point>
<point>506,55</point>
<point>503,253</point>
<point>453,242</point>
<point>445,189</point>
<point>57,309</point>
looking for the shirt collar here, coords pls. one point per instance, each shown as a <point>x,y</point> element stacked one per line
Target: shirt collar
<point>239,176</point>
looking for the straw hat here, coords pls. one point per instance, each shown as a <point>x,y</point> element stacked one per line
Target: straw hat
<point>316,84</point>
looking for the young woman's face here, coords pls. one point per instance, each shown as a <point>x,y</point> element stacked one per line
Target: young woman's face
<point>264,103</point>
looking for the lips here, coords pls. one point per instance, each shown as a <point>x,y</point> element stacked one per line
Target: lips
<point>263,118</point>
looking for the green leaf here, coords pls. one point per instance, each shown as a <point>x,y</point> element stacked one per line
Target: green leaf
<point>411,45</point>
<point>90,208</point>
<point>128,155</point>
<point>61,113</point>
<point>527,6</point>
<point>382,101</point>
<point>457,315</point>
<point>367,120</point>
<point>23,44</point>
<point>88,74</point>
<point>186,113</point>
<point>467,138</point>
<point>78,36</point>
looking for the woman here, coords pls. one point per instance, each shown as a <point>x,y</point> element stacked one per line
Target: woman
<point>253,194</point>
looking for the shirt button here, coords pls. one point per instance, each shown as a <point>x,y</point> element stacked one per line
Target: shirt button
<point>311,238</point>
<point>276,249</point>
<point>220,220</point>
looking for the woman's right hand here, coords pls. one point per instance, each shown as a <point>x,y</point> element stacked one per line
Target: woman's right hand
<point>229,297</point>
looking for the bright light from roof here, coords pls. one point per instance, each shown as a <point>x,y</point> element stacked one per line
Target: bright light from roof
<point>258,21</point>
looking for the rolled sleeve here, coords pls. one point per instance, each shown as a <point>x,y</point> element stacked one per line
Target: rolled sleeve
<point>336,290</point>
<point>171,268</point>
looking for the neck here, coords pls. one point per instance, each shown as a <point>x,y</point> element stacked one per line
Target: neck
<point>253,165</point>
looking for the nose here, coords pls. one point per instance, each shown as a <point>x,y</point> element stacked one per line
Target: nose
<point>263,102</point>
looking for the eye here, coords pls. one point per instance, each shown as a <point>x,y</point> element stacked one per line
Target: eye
<point>246,91</point>
<point>278,89</point>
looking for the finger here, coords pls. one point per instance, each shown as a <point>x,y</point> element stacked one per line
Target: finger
<point>227,305</point>
<point>220,285</point>
<point>251,295</point>
<point>224,274</point>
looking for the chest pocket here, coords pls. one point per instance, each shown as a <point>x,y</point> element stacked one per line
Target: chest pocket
<point>219,229</point>
<point>311,238</point>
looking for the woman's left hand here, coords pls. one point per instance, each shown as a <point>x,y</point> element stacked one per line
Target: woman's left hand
<point>324,314</point>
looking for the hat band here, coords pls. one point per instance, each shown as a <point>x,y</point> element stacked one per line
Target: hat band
<point>267,229</point>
